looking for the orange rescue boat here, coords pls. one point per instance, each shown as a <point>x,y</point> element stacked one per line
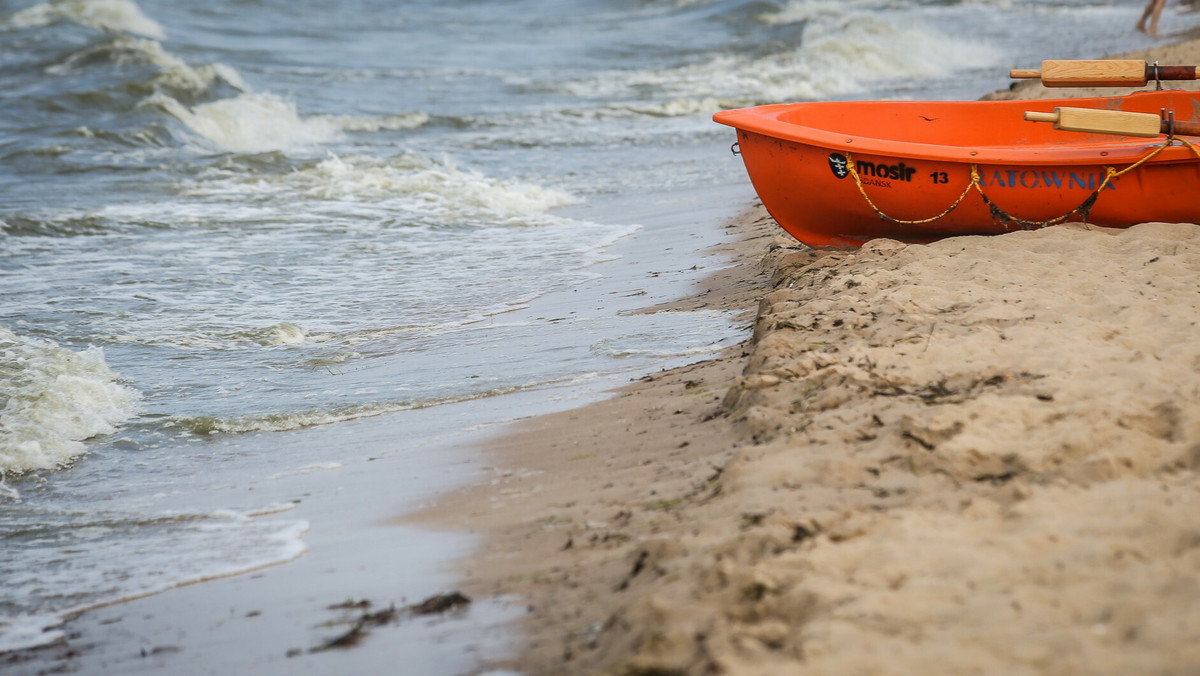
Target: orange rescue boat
<point>842,173</point>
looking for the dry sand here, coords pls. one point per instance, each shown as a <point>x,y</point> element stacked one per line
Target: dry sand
<point>974,456</point>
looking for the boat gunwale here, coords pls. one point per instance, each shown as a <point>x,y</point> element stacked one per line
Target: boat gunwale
<point>765,120</point>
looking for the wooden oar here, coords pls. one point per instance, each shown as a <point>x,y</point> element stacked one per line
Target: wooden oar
<point>1117,122</point>
<point>1103,73</point>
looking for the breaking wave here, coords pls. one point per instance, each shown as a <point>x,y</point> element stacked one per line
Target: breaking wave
<point>53,399</point>
<point>234,118</point>
<point>250,123</point>
<point>123,16</point>
<point>410,183</point>
<point>174,74</point>
<point>843,49</point>
<point>264,122</point>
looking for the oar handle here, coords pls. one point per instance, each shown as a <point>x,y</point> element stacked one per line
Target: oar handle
<point>1037,116</point>
<point>1102,73</point>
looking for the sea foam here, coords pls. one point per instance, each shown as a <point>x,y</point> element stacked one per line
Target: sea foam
<point>408,183</point>
<point>250,123</point>
<point>118,558</point>
<point>53,398</point>
<point>845,48</point>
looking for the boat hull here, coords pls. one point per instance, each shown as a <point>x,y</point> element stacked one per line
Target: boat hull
<point>959,168</point>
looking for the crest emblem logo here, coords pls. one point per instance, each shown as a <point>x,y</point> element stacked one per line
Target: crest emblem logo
<point>839,165</point>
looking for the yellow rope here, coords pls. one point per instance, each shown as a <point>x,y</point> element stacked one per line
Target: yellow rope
<point>1109,174</point>
<point>1186,143</point>
<point>858,181</point>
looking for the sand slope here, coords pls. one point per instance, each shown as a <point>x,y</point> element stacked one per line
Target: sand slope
<point>976,456</point>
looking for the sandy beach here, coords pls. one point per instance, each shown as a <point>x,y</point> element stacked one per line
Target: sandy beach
<point>973,456</point>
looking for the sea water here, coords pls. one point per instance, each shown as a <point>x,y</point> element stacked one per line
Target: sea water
<point>231,230</point>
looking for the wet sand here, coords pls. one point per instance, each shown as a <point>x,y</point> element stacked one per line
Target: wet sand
<point>974,456</point>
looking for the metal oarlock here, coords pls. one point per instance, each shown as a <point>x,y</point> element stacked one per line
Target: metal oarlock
<point>1168,124</point>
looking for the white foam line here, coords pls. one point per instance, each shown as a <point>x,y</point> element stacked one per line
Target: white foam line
<point>30,631</point>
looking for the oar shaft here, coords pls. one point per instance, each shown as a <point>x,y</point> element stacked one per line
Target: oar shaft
<point>1170,73</point>
<point>1183,128</point>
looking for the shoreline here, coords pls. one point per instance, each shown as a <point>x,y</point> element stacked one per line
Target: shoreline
<point>832,496</point>
<point>573,537</point>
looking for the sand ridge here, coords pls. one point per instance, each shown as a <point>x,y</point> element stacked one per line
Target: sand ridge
<point>960,465</point>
